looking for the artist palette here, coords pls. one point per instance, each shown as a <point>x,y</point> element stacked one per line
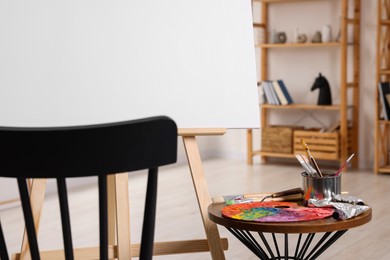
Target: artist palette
<point>275,211</point>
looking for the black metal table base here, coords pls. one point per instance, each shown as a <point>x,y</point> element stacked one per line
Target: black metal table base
<point>304,250</point>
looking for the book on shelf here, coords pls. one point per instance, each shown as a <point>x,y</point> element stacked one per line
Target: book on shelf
<point>384,95</point>
<point>285,91</point>
<point>261,94</point>
<point>273,92</point>
<point>279,93</point>
<point>269,93</point>
<point>276,92</point>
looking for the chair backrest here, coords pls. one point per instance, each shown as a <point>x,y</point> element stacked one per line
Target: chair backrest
<point>94,150</point>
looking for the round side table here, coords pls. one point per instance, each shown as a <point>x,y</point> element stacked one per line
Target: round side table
<point>305,231</point>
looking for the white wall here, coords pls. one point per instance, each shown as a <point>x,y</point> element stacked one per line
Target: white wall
<point>311,17</point>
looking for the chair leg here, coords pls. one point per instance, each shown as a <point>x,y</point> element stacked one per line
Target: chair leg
<point>3,246</point>
<point>103,217</point>
<point>65,219</point>
<point>147,240</point>
<point>28,218</point>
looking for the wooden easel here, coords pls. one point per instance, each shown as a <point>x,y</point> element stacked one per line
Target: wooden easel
<point>200,185</point>
<point>119,216</point>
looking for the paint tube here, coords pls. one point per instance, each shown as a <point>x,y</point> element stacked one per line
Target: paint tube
<point>342,210</point>
<point>346,210</point>
<point>319,203</point>
<point>348,199</point>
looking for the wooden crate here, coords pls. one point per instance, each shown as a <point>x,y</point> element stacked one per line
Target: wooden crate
<point>324,146</point>
<point>277,139</point>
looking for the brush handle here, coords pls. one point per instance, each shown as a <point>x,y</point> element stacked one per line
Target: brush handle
<point>287,192</point>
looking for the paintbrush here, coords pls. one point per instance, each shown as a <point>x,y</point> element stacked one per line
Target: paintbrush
<point>315,174</point>
<point>344,164</point>
<point>284,193</point>
<point>313,161</point>
<point>307,167</point>
<point>245,198</point>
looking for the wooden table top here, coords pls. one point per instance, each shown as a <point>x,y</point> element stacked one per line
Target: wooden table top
<point>328,224</point>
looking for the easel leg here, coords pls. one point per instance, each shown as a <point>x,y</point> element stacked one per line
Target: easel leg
<point>249,143</point>
<point>122,216</point>
<point>111,189</point>
<point>204,200</point>
<point>119,214</point>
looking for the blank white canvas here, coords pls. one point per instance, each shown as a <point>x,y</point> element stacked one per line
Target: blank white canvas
<point>78,62</point>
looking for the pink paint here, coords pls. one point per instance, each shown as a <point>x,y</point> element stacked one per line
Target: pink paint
<point>274,211</point>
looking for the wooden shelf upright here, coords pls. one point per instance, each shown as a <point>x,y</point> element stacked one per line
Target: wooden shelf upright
<point>382,127</point>
<point>348,108</point>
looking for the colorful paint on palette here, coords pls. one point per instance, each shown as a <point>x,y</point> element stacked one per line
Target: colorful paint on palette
<point>274,212</point>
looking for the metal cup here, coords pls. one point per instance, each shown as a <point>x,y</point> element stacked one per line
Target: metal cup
<point>321,188</point>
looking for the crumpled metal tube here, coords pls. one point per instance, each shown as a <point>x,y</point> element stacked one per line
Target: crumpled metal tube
<point>348,199</point>
<point>342,210</point>
<point>346,210</point>
<point>319,203</point>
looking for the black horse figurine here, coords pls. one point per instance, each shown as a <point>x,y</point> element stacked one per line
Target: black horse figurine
<point>325,96</point>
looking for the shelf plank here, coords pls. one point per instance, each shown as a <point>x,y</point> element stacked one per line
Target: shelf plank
<point>283,1</point>
<point>384,169</point>
<point>262,25</point>
<point>320,156</point>
<point>298,45</point>
<point>301,106</point>
<point>385,22</point>
<point>352,21</point>
<point>279,155</point>
<point>384,122</point>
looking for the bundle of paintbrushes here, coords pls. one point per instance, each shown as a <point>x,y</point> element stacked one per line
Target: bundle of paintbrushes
<point>310,165</point>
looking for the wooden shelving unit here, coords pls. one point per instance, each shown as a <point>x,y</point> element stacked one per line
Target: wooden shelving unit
<point>348,108</point>
<point>382,127</point>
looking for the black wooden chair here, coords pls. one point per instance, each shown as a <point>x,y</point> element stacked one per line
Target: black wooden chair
<point>95,150</point>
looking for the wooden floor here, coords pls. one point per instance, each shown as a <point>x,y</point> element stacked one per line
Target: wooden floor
<point>178,217</point>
